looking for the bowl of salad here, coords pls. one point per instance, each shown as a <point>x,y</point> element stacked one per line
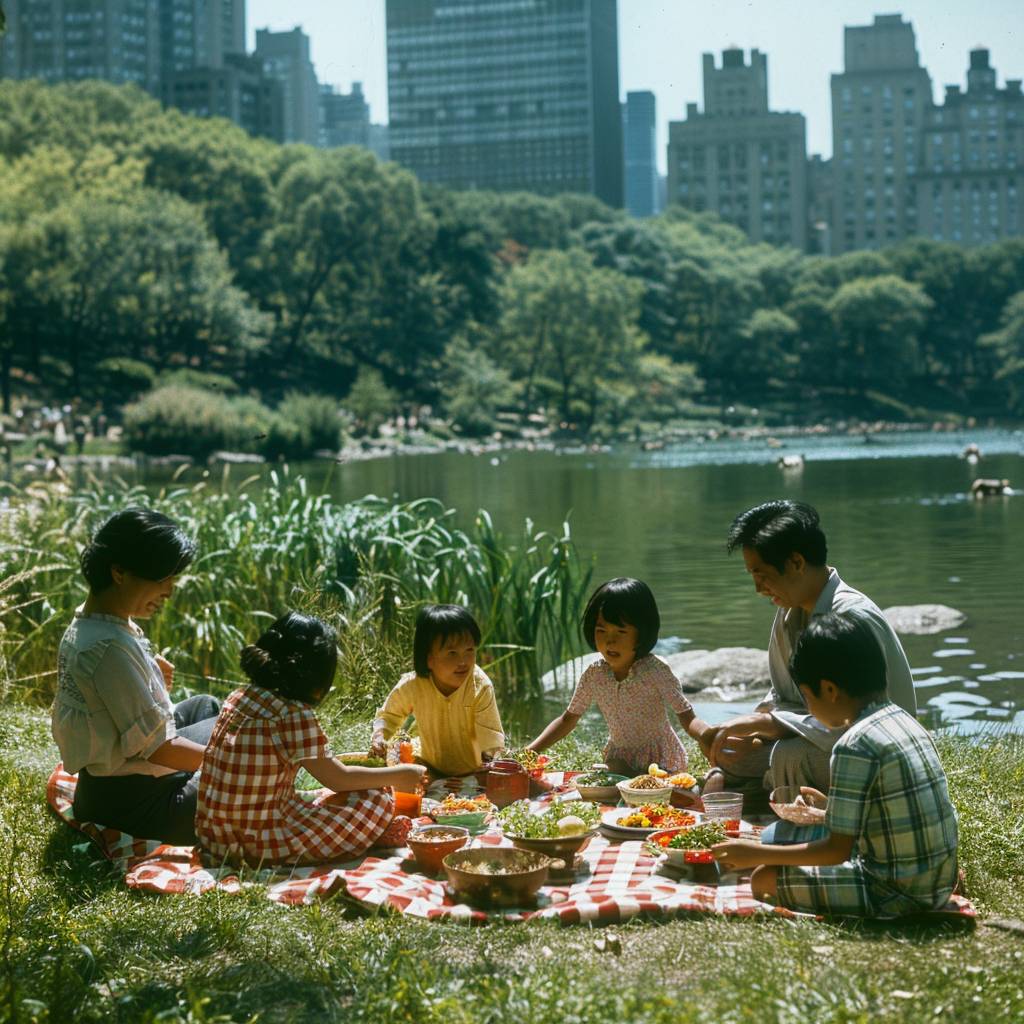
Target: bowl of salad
<point>689,845</point>
<point>598,785</point>
<point>560,830</point>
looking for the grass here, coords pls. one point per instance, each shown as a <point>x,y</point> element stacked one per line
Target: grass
<point>77,946</point>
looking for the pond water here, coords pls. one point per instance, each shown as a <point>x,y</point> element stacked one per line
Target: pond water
<point>898,514</point>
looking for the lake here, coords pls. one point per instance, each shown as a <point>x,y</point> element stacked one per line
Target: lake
<point>900,522</point>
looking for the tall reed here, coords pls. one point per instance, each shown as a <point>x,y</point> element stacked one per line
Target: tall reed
<point>268,543</point>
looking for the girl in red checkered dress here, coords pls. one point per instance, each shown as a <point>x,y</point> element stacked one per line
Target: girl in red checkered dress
<point>249,810</point>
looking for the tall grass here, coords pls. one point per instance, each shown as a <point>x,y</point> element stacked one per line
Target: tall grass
<point>265,545</point>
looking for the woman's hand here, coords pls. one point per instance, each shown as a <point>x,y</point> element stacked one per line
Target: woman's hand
<point>166,670</point>
<point>738,854</point>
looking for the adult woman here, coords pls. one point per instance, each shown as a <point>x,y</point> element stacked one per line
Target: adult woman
<point>136,754</point>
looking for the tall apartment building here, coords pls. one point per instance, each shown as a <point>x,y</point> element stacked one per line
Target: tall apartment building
<point>199,33</point>
<point>68,40</point>
<point>238,90</point>
<point>345,121</point>
<point>739,159</point>
<point>879,104</point>
<point>819,205</point>
<point>639,135</point>
<point>507,94</point>
<point>971,173</point>
<point>285,57</point>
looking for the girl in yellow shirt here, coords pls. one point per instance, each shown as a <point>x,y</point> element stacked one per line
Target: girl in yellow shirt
<point>448,694</point>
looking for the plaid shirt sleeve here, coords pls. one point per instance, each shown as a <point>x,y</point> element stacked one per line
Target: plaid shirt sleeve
<point>300,737</point>
<point>853,773</point>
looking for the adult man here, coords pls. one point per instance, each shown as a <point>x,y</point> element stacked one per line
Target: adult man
<point>781,744</point>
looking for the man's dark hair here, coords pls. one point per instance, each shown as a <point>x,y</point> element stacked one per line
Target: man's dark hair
<point>296,658</point>
<point>777,529</point>
<point>145,543</point>
<point>843,649</point>
<point>624,602</point>
<point>439,622</point>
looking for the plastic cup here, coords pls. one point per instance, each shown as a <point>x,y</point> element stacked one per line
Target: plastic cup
<point>723,806</point>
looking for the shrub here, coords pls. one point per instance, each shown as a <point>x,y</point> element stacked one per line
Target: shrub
<point>370,400</point>
<point>474,388</point>
<point>119,380</point>
<point>188,421</point>
<point>317,418</point>
<point>187,377</point>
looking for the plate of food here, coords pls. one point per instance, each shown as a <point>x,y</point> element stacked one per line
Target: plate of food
<point>469,812</point>
<point>640,822</point>
<point>689,845</point>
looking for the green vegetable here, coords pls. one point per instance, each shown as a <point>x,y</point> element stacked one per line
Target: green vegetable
<point>516,819</point>
<point>699,837</point>
<point>599,779</point>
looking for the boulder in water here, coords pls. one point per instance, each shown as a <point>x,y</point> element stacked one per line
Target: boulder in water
<point>923,619</point>
<point>727,673</point>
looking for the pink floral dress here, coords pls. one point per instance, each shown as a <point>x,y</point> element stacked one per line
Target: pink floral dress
<point>636,712</point>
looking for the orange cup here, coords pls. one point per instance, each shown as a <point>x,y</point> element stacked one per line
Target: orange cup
<point>408,803</point>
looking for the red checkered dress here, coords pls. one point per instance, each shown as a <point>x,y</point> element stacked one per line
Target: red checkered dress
<point>248,805</point>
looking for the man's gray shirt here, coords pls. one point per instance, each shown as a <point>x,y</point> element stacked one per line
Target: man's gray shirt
<point>784,700</point>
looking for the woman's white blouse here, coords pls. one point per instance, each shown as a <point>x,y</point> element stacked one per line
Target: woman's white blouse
<point>112,709</point>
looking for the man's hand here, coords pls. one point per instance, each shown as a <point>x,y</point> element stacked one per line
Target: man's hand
<point>814,797</point>
<point>166,670</point>
<point>740,737</point>
<point>707,739</point>
<point>738,854</point>
<point>378,745</point>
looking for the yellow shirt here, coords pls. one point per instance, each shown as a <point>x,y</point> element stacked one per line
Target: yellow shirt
<point>455,729</point>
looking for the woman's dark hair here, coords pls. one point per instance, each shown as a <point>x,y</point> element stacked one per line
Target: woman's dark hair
<point>842,649</point>
<point>624,602</point>
<point>296,658</point>
<point>439,622</point>
<point>777,529</point>
<point>143,542</point>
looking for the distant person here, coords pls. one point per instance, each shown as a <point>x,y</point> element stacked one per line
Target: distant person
<point>891,847</point>
<point>136,753</point>
<point>782,743</point>
<point>249,810</point>
<point>633,687</point>
<point>447,693</point>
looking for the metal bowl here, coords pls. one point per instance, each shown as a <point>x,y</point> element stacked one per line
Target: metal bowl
<point>518,876</point>
<point>558,848</point>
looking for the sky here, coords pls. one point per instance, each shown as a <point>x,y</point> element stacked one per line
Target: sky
<point>661,42</point>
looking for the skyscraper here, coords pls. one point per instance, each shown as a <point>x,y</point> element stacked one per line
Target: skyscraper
<point>639,134</point>
<point>879,103</point>
<point>65,40</point>
<point>507,94</point>
<point>738,158</point>
<point>285,56</point>
<point>345,121</point>
<point>200,33</point>
<point>972,168</point>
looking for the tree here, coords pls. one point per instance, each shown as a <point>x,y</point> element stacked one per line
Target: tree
<point>1008,345</point>
<point>570,333</point>
<point>474,388</point>
<point>877,321</point>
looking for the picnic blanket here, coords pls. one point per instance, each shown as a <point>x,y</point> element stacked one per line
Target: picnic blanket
<point>620,882</point>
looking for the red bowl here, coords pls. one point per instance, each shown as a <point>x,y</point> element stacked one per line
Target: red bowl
<point>678,856</point>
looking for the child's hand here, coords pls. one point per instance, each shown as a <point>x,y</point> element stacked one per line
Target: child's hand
<point>411,777</point>
<point>378,745</point>
<point>737,854</point>
<point>166,670</point>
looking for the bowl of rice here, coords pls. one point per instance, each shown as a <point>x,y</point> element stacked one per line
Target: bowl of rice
<point>497,876</point>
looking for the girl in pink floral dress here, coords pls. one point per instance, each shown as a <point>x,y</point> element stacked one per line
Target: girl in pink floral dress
<point>634,688</point>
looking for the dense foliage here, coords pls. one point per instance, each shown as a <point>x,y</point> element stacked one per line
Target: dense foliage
<point>134,238</point>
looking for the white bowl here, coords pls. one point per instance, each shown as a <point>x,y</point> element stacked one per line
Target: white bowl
<point>639,797</point>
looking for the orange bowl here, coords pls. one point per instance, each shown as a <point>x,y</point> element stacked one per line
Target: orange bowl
<point>432,843</point>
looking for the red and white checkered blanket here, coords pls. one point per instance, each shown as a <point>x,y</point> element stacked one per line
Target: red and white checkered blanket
<point>621,884</point>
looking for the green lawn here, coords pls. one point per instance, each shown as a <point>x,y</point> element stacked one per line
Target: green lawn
<point>77,946</point>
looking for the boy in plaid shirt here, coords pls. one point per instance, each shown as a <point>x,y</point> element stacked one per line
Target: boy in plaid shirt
<point>891,847</point>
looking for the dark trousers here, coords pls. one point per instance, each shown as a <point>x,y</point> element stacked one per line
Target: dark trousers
<point>161,807</point>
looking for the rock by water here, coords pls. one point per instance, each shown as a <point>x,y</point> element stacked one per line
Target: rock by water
<point>923,619</point>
